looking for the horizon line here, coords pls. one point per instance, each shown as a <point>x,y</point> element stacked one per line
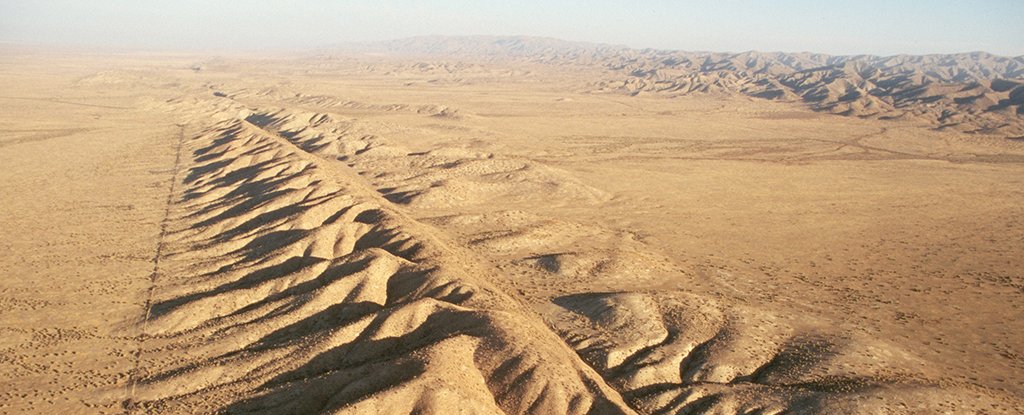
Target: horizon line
<point>86,46</point>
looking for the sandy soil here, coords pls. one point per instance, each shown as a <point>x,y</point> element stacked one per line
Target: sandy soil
<point>191,235</point>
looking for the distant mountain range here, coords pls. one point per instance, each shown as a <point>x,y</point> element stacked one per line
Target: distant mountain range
<point>972,92</point>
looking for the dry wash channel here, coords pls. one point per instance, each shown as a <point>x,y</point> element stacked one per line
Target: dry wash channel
<point>288,287</point>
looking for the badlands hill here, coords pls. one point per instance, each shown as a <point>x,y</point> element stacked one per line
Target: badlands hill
<point>972,92</point>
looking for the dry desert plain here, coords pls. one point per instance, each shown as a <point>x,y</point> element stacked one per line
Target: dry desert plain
<point>369,234</point>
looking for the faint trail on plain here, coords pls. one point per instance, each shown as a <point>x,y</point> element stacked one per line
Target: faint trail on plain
<point>155,274</point>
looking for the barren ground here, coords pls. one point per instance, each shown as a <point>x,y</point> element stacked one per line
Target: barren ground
<point>293,235</point>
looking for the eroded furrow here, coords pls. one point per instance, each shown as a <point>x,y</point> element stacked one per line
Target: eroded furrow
<point>155,274</point>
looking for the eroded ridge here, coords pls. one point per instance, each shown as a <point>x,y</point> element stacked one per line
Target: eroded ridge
<point>439,178</point>
<point>671,352</point>
<point>289,288</point>
<point>298,289</point>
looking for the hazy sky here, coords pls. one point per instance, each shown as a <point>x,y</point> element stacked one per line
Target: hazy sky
<point>837,26</point>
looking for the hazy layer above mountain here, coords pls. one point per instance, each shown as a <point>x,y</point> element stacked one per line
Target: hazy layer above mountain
<point>973,92</point>
<point>489,47</point>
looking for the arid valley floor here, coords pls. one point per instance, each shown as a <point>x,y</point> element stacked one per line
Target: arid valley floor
<point>331,234</point>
